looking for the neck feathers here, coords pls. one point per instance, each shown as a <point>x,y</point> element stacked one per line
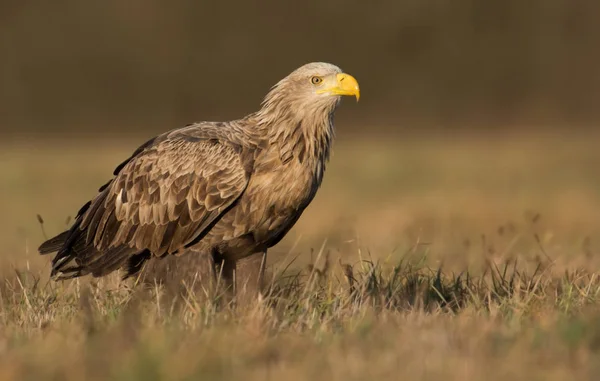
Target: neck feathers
<point>298,131</point>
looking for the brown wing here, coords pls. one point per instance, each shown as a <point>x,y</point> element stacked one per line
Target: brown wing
<point>167,196</point>
<point>163,198</point>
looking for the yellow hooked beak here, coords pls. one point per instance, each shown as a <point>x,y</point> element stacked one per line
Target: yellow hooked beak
<point>344,84</point>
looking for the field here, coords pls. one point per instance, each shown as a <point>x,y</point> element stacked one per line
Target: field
<point>448,256</point>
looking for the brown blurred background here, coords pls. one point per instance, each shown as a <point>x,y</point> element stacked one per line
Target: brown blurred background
<point>472,149</point>
<point>90,67</point>
<point>499,71</point>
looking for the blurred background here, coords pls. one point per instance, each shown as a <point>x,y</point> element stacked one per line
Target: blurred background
<point>476,116</point>
<point>88,67</point>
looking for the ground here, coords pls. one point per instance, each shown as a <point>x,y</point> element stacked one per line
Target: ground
<point>454,256</point>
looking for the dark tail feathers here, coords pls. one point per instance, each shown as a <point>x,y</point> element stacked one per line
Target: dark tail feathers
<point>66,266</point>
<point>53,244</point>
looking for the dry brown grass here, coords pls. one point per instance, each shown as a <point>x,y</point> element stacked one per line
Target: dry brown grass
<point>461,258</point>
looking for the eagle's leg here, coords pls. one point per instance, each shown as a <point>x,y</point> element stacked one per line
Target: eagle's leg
<point>241,278</point>
<point>249,278</point>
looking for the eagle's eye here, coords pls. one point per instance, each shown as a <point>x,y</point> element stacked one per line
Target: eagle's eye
<point>316,80</point>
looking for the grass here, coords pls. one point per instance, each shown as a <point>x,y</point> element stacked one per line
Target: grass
<point>462,258</point>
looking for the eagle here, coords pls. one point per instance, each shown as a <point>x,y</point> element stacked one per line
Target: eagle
<point>228,190</point>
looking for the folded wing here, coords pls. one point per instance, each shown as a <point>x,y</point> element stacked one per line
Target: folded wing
<point>163,198</point>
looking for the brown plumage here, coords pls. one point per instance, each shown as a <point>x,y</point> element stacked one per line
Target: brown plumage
<point>228,190</point>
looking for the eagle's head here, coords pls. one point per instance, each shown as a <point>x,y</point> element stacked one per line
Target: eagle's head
<point>316,87</point>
